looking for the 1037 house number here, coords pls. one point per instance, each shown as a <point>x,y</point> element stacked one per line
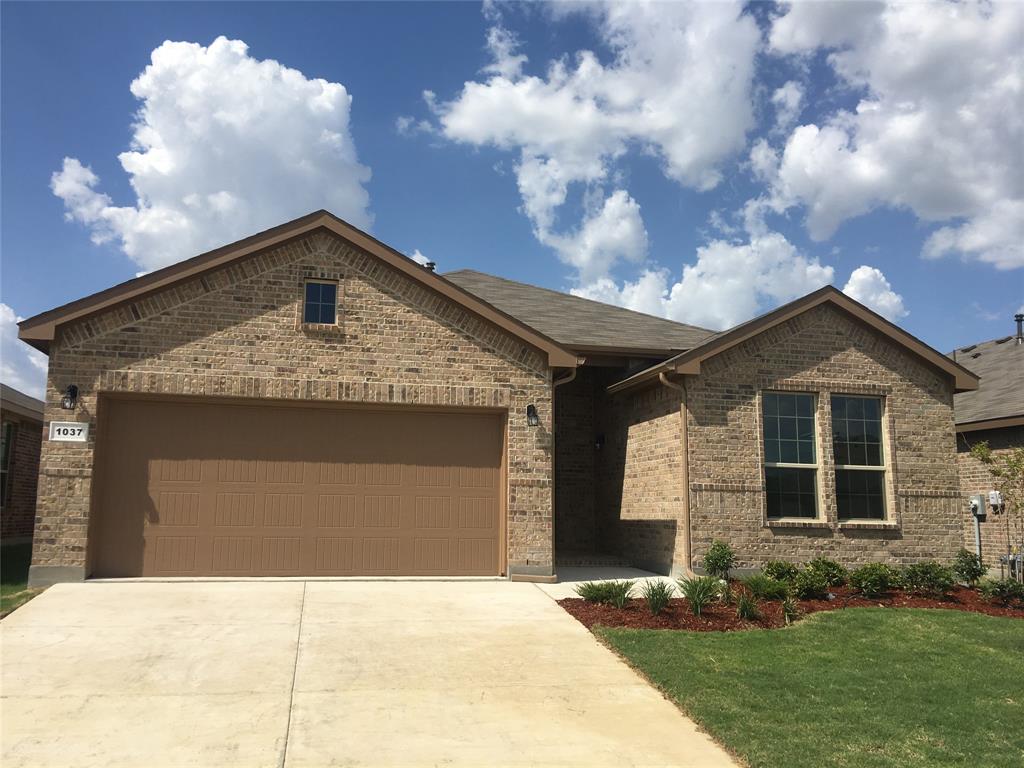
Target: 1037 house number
<point>69,431</point>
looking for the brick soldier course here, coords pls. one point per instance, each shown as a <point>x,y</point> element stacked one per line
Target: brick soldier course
<point>604,469</point>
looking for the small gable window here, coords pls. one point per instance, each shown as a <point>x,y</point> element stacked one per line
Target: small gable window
<point>321,303</point>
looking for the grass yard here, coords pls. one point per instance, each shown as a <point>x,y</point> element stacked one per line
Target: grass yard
<point>14,562</point>
<point>858,687</point>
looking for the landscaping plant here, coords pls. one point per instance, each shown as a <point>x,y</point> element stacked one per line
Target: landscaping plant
<point>746,607</point>
<point>700,591</point>
<point>766,588</point>
<point>790,612</point>
<point>873,579</point>
<point>810,585</point>
<point>833,573</point>
<point>780,570</point>
<point>657,594</point>
<point>968,567</point>
<point>719,560</point>
<point>1004,591</point>
<point>610,592</point>
<point>928,578</point>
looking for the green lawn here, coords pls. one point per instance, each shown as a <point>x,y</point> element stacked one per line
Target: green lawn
<point>14,562</point>
<point>857,687</point>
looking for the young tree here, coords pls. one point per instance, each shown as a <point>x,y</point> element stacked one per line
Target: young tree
<point>1007,470</point>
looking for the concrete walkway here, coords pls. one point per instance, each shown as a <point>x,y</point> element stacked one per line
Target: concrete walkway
<point>323,673</point>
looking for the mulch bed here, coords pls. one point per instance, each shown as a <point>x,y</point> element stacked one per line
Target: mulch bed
<point>722,618</point>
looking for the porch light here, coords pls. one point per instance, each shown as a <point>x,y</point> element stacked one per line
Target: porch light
<point>532,419</point>
<point>70,398</point>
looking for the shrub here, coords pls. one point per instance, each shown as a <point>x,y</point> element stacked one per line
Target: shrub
<point>765,588</point>
<point>873,579</point>
<point>833,573</point>
<point>700,591</point>
<point>968,567</point>
<point>1004,591</point>
<point>610,592</point>
<point>657,593</point>
<point>780,570</point>
<point>719,560</point>
<point>928,578</point>
<point>790,612</point>
<point>746,607</point>
<point>810,585</point>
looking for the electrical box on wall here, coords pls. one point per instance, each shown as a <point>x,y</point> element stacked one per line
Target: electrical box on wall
<point>995,499</point>
<point>978,507</point>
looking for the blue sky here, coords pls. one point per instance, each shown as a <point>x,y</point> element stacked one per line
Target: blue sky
<point>702,162</point>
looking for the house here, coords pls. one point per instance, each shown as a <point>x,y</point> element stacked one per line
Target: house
<point>308,401</point>
<point>993,413</point>
<point>21,433</point>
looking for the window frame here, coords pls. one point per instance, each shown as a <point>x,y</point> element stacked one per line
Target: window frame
<point>882,468</point>
<point>819,507</point>
<point>9,431</point>
<point>304,302</point>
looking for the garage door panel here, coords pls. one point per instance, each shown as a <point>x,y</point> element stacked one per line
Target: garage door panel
<point>292,491</point>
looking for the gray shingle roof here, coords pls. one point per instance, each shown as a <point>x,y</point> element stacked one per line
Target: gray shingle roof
<point>18,402</point>
<point>1000,364</point>
<point>575,322</point>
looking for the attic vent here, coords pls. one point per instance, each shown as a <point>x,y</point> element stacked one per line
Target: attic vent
<point>968,349</point>
<point>1003,341</point>
<point>976,355</point>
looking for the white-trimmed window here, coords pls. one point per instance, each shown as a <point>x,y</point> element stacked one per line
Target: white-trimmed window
<point>790,455</point>
<point>859,456</point>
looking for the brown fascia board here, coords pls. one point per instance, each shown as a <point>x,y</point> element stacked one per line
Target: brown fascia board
<point>1000,423</point>
<point>39,330</point>
<point>689,362</point>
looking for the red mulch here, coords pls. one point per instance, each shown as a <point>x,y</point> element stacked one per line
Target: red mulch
<point>722,618</point>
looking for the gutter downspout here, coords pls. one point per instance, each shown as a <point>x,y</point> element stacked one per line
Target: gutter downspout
<point>684,449</point>
<point>555,384</point>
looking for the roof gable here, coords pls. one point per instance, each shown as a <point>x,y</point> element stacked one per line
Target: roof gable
<point>40,330</point>
<point>689,362</point>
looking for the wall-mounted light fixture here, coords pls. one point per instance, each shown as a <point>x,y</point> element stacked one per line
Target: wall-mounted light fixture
<point>532,420</point>
<point>70,398</point>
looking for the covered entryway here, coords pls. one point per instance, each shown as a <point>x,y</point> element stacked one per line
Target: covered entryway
<point>201,488</point>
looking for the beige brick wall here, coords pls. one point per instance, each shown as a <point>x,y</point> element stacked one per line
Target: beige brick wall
<point>998,529</point>
<point>236,332</point>
<point>823,351</point>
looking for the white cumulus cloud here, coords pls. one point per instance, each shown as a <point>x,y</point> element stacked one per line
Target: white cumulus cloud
<point>938,128</point>
<point>870,287</point>
<point>224,145</point>
<point>678,86</point>
<point>21,366</point>
<point>788,101</point>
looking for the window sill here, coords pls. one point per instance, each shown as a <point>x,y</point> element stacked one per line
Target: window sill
<point>320,326</point>
<point>868,525</point>
<point>797,524</point>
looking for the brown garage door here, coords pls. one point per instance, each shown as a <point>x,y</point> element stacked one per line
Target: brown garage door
<point>192,488</point>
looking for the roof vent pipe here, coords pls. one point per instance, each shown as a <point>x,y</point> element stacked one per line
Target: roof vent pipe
<point>1020,327</point>
<point>429,266</point>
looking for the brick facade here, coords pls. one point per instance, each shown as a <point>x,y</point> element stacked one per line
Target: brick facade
<point>19,508</point>
<point>998,530</point>
<point>576,529</point>
<point>823,351</point>
<point>236,332</point>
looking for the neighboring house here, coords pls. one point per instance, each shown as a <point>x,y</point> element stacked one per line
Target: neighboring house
<point>21,433</point>
<point>993,413</point>
<point>308,401</point>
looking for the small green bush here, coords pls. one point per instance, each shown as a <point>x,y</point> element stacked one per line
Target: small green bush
<point>780,570</point>
<point>1004,591</point>
<point>873,579</point>
<point>765,588</point>
<point>790,611</point>
<point>746,607</point>
<point>700,591</point>
<point>834,574</point>
<point>719,560</point>
<point>810,585</point>
<point>968,567</point>
<point>656,593</point>
<point>928,578</point>
<point>609,592</point>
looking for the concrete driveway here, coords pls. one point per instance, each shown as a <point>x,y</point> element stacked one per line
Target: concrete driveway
<point>294,673</point>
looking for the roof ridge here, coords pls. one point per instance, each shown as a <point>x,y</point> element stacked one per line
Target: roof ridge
<point>579,298</point>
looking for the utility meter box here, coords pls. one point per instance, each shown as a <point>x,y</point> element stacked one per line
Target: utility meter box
<point>995,499</point>
<point>978,507</point>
